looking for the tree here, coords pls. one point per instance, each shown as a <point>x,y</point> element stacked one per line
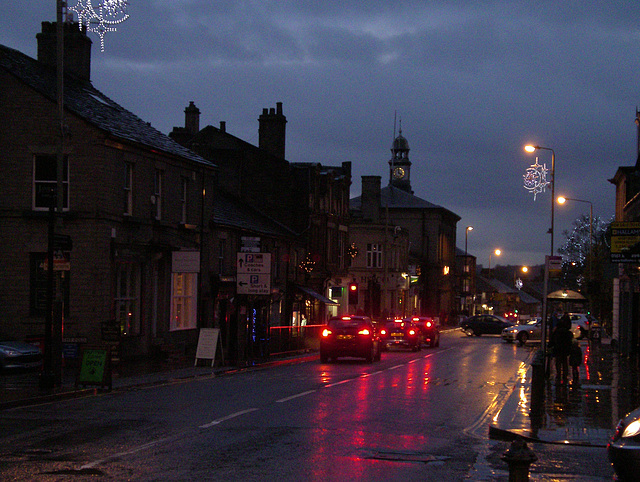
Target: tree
<point>586,266</point>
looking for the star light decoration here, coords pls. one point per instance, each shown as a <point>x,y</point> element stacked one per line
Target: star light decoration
<point>101,18</point>
<point>535,178</point>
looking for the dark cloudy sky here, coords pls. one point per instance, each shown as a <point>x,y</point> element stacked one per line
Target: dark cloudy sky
<point>472,81</point>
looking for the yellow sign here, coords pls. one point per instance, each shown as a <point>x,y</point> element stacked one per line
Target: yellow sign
<point>625,242</point>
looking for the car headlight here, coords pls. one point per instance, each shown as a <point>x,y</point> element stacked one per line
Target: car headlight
<point>632,429</point>
<point>9,352</point>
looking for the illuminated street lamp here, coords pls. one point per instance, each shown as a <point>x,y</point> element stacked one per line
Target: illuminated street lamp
<point>517,282</point>
<point>562,200</point>
<point>543,345</point>
<point>497,252</point>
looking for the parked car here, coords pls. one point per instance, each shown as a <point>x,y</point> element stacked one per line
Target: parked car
<point>401,333</point>
<point>624,447</point>
<point>350,336</point>
<point>531,330</point>
<point>429,329</point>
<point>580,324</point>
<point>484,325</point>
<point>18,355</point>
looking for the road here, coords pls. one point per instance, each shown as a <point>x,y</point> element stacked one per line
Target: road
<point>411,416</point>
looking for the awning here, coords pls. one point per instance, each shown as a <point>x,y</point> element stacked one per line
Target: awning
<point>317,296</point>
<point>565,295</point>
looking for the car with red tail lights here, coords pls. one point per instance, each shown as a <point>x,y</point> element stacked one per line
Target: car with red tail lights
<point>350,336</point>
<point>401,333</point>
<point>429,329</point>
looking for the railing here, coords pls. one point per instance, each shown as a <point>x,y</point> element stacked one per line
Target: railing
<point>291,339</point>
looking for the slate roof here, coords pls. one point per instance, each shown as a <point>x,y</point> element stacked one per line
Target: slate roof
<point>395,198</point>
<point>229,211</point>
<point>88,103</point>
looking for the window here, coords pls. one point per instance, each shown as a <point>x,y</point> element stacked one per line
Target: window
<point>127,304</point>
<point>222,248</point>
<point>183,301</point>
<point>157,192</point>
<point>374,255</point>
<point>183,200</point>
<point>38,286</point>
<point>45,181</point>
<point>128,189</point>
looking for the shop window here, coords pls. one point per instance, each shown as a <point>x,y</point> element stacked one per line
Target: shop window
<point>183,301</point>
<point>127,300</point>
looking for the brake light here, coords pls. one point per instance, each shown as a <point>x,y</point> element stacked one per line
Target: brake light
<point>428,323</point>
<point>412,332</point>
<point>364,331</point>
<point>326,332</point>
<point>383,332</point>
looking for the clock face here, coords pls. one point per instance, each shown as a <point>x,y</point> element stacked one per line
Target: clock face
<point>398,173</point>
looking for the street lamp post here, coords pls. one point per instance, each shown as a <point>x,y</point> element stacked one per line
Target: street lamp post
<point>562,200</point>
<point>466,267</point>
<point>531,148</point>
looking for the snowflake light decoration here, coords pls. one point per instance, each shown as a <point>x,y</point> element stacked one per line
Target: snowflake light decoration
<point>535,178</point>
<point>101,18</point>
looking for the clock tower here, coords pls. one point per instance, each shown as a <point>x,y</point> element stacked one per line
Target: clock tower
<point>400,165</point>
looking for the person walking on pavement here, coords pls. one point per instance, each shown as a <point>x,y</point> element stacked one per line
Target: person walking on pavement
<point>575,360</point>
<point>561,341</point>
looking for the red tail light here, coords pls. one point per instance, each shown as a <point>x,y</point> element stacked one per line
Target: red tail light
<point>412,332</point>
<point>364,331</point>
<point>428,324</point>
<point>326,332</point>
<point>383,332</point>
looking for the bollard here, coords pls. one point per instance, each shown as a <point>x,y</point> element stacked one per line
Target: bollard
<point>537,382</point>
<point>519,457</point>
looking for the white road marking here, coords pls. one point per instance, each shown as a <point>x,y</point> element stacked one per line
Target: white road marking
<point>295,396</point>
<point>228,417</point>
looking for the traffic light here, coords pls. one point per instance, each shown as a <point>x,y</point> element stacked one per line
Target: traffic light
<point>353,293</point>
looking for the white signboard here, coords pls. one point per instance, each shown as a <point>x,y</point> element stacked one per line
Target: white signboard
<point>254,273</point>
<point>207,344</point>
<point>185,262</point>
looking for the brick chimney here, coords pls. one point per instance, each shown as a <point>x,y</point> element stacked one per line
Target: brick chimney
<point>370,198</point>
<point>77,48</point>
<point>272,130</point>
<point>192,119</point>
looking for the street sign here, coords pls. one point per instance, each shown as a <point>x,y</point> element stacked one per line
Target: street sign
<point>254,273</point>
<point>625,242</point>
<point>254,263</point>
<point>62,242</point>
<point>253,284</point>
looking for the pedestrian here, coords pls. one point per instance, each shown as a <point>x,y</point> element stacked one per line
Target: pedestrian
<point>575,360</point>
<point>561,341</point>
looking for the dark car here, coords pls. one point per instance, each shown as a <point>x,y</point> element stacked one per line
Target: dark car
<point>624,447</point>
<point>484,325</point>
<point>401,333</point>
<point>429,329</point>
<point>17,355</point>
<point>350,336</point>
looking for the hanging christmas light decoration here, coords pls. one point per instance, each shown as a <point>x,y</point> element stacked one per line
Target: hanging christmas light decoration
<point>102,18</point>
<point>308,264</point>
<point>535,178</point>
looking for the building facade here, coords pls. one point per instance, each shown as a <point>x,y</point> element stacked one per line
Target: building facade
<point>431,236</point>
<point>127,232</point>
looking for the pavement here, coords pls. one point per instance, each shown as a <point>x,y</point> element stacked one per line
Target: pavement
<point>583,414</point>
